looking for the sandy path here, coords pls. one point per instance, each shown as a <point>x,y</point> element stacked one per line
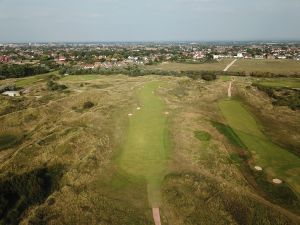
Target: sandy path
<point>229,65</point>
<point>229,89</point>
<point>156,216</point>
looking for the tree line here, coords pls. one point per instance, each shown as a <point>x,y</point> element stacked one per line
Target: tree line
<point>16,70</point>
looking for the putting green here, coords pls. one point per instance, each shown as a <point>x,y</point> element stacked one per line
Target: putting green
<point>145,151</point>
<point>277,161</point>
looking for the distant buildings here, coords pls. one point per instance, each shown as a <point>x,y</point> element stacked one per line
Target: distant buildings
<point>4,59</point>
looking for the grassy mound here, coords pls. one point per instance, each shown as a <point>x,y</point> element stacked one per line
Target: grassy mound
<point>8,141</point>
<point>198,200</point>
<point>202,135</point>
<point>19,192</point>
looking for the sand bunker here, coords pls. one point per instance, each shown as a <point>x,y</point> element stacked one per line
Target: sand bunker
<point>277,181</point>
<point>258,168</point>
<point>130,114</point>
<point>167,113</point>
<point>138,108</point>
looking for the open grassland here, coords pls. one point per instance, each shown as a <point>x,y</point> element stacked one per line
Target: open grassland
<point>105,166</point>
<point>278,162</point>
<point>214,66</point>
<point>279,83</point>
<point>284,67</point>
<point>81,78</point>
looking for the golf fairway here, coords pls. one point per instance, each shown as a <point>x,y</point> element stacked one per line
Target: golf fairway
<point>276,160</point>
<point>145,150</point>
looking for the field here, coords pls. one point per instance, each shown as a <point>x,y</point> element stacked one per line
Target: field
<point>272,66</point>
<point>217,66</point>
<point>279,83</point>
<point>111,148</point>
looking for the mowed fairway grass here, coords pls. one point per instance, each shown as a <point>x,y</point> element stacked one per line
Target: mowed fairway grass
<point>278,162</point>
<point>146,150</point>
<point>266,65</point>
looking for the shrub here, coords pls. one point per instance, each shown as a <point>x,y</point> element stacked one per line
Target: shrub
<point>88,105</point>
<point>53,86</point>
<point>202,135</point>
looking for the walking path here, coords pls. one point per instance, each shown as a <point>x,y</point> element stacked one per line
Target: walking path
<point>229,65</point>
<point>156,216</point>
<point>229,89</point>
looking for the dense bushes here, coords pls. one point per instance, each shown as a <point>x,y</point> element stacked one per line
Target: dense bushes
<point>273,75</point>
<point>19,192</point>
<point>16,70</point>
<point>88,105</point>
<point>4,88</point>
<point>53,86</point>
<point>140,71</point>
<point>282,96</point>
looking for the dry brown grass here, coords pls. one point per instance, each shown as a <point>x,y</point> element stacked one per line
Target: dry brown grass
<point>86,141</point>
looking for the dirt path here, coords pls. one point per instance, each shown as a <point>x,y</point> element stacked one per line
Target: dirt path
<point>229,65</point>
<point>229,89</point>
<point>156,216</point>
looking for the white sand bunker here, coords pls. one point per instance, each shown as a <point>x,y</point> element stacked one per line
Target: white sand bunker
<point>277,181</point>
<point>138,108</point>
<point>258,168</point>
<point>130,114</point>
<point>167,113</point>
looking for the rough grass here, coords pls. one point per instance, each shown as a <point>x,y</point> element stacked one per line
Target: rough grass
<point>264,65</point>
<point>19,192</point>
<point>81,77</point>
<point>23,82</point>
<point>198,200</point>
<point>279,83</point>
<point>278,162</point>
<point>145,151</point>
<point>215,66</point>
<point>8,141</point>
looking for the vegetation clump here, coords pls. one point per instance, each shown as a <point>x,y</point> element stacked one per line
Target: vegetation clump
<point>282,96</point>
<point>88,105</point>
<point>53,86</point>
<point>8,141</point>
<point>202,135</point>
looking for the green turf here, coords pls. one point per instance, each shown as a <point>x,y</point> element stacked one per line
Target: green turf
<point>145,151</point>
<point>81,77</point>
<point>278,162</point>
<point>280,83</point>
<point>226,78</point>
<point>23,82</point>
<point>202,135</point>
<point>228,132</point>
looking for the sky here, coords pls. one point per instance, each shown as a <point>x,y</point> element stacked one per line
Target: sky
<point>145,20</point>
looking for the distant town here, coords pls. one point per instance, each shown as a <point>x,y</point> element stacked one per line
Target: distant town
<point>108,55</point>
